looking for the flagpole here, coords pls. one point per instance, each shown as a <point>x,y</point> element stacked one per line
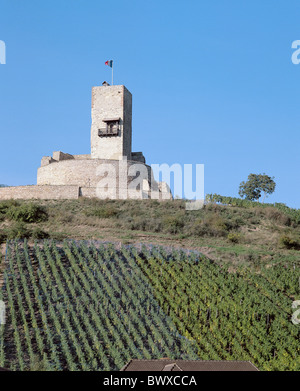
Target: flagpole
<point>112,73</point>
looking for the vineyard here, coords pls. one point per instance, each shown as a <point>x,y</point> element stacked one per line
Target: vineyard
<point>241,316</point>
<point>82,306</point>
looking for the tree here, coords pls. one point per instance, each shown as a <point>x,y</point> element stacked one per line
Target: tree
<point>255,185</point>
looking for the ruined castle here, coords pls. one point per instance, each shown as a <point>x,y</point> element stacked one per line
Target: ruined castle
<point>111,171</point>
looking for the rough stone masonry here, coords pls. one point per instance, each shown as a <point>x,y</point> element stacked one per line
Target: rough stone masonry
<point>112,170</point>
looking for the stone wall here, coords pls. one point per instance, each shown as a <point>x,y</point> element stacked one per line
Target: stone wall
<point>39,192</point>
<point>47,160</point>
<point>111,102</point>
<point>58,155</point>
<point>46,192</point>
<point>87,172</point>
<point>91,176</point>
<point>82,157</point>
<point>118,193</point>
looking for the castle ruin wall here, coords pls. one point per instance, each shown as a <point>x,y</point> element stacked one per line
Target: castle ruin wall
<point>39,192</point>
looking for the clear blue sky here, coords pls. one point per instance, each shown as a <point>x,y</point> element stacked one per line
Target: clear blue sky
<point>212,83</point>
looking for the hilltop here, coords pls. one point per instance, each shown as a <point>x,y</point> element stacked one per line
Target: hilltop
<point>226,229</point>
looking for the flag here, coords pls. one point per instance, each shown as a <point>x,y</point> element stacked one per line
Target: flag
<point>109,63</point>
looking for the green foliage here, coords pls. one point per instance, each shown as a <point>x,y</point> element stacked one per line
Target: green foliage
<point>291,213</point>
<point>37,364</point>
<point>173,224</point>
<point>234,237</point>
<point>250,257</point>
<point>27,213</point>
<point>250,189</point>
<point>139,224</point>
<point>5,205</point>
<point>76,307</point>
<point>277,216</point>
<point>18,231</point>
<point>3,237</point>
<point>38,233</point>
<point>232,316</point>
<point>255,185</point>
<point>211,225</point>
<point>289,242</point>
<point>103,212</point>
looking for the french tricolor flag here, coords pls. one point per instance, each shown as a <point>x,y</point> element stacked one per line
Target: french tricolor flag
<point>109,63</point>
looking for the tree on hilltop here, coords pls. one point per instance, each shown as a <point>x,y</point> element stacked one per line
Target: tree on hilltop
<point>255,185</point>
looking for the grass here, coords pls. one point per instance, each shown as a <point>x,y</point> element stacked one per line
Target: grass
<point>237,234</point>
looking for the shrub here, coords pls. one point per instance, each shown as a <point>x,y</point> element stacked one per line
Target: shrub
<point>3,237</point>
<point>234,223</point>
<point>173,204</point>
<point>142,223</point>
<point>18,231</point>
<point>215,220</point>
<point>173,224</point>
<point>277,216</point>
<point>135,210</point>
<point>38,233</point>
<point>250,257</point>
<point>103,212</point>
<point>288,242</point>
<point>157,227</point>
<point>154,204</point>
<point>212,208</point>
<point>213,225</point>
<point>208,228</point>
<point>27,213</point>
<point>60,236</point>
<point>234,237</point>
<point>5,205</point>
<point>139,224</point>
<point>199,229</point>
<point>254,221</point>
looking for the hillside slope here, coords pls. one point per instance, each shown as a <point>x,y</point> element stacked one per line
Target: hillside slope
<point>242,232</point>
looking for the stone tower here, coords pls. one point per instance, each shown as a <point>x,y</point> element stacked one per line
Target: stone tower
<point>71,176</point>
<point>111,130</point>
